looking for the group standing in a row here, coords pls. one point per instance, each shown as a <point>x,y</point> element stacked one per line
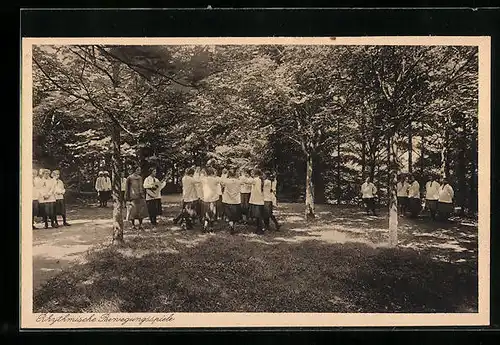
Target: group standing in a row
<point>48,198</point>
<point>438,196</point>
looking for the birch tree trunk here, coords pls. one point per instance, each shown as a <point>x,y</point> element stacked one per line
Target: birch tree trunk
<point>116,186</point>
<point>309,211</point>
<point>393,202</point>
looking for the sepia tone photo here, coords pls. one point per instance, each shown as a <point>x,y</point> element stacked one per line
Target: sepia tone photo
<point>268,182</point>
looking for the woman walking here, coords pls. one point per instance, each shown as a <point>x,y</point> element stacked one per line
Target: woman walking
<point>134,195</point>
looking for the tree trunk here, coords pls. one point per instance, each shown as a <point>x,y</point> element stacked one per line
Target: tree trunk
<point>116,186</point>
<point>309,210</point>
<point>363,157</point>
<point>388,170</point>
<point>473,196</point>
<point>422,149</point>
<point>393,203</point>
<point>339,160</point>
<point>461,169</point>
<point>410,148</point>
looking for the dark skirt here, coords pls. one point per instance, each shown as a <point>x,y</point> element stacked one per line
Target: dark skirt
<point>220,207</point>
<point>105,195</point>
<point>198,204</point>
<point>245,198</point>
<point>154,207</point>
<point>256,211</point>
<point>267,209</point>
<point>415,205</point>
<point>369,203</point>
<point>209,210</point>
<point>137,209</point>
<point>46,209</point>
<point>60,207</point>
<point>36,208</point>
<point>445,209</point>
<point>403,201</point>
<point>232,212</point>
<point>431,205</point>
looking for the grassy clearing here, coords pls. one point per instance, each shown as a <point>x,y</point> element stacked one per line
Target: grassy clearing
<point>300,269</point>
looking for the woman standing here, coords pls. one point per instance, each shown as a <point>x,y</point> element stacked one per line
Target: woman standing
<point>231,198</point>
<point>99,188</point>
<point>245,191</point>
<point>402,194</point>
<point>269,200</point>
<point>432,195</point>
<point>210,184</point>
<point>414,200</point>
<point>106,188</point>
<point>37,186</point>
<point>445,200</point>
<point>60,205</point>
<point>134,195</point>
<point>189,199</point>
<point>47,199</point>
<point>256,202</point>
<point>153,187</point>
<point>368,191</point>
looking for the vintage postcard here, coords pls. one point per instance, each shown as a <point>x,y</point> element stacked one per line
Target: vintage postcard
<point>255,182</point>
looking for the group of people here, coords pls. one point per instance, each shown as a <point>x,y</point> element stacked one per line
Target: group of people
<point>48,198</point>
<point>103,188</point>
<point>233,195</point>
<point>438,197</point>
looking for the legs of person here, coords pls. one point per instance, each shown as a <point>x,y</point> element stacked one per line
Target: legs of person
<point>52,213</point>
<point>151,211</point>
<point>367,207</point>
<point>372,206</point>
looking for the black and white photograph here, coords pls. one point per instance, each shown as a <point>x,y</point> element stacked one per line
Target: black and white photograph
<point>261,179</point>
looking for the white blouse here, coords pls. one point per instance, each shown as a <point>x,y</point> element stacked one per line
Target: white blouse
<point>245,187</point>
<point>37,187</point>
<point>432,190</point>
<point>402,189</point>
<point>189,193</point>
<point>414,190</point>
<point>210,191</point>
<point>153,187</point>
<point>232,194</point>
<point>368,190</point>
<point>268,187</point>
<point>59,190</point>
<point>446,194</point>
<point>47,190</point>
<point>256,196</point>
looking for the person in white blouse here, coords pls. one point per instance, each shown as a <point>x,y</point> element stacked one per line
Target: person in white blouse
<point>47,199</point>
<point>432,195</point>
<point>220,189</point>
<point>153,187</point>
<point>37,186</point>
<point>60,205</point>
<point>99,188</point>
<point>245,191</point>
<point>231,197</point>
<point>402,194</point>
<point>414,200</point>
<point>445,200</point>
<point>106,188</point>
<point>123,188</point>
<point>368,191</point>
<point>256,202</point>
<point>198,173</point>
<point>189,199</point>
<point>210,184</point>
<point>269,200</point>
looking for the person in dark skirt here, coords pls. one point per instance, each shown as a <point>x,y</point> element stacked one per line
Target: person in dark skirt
<point>198,174</point>
<point>245,194</point>
<point>37,185</point>
<point>402,194</point>
<point>210,184</point>
<point>189,199</point>
<point>432,195</point>
<point>414,200</point>
<point>256,202</point>
<point>368,191</point>
<point>153,187</point>
<point>98,188</point>
<point>47,199</point>
<point>180,214</point>
<point>106,188</point>
<point>134,195</point>
<point>445,200</point>
<point>268,201</point>
<point>231,198</point>
<point>60,206</point>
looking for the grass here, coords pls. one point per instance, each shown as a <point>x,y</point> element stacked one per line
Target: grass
<point>296,270</point>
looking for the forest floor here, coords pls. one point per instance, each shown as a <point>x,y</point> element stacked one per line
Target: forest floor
<point>339,262</point>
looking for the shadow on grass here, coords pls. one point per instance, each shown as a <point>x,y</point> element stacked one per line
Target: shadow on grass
<point>232,274</point>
